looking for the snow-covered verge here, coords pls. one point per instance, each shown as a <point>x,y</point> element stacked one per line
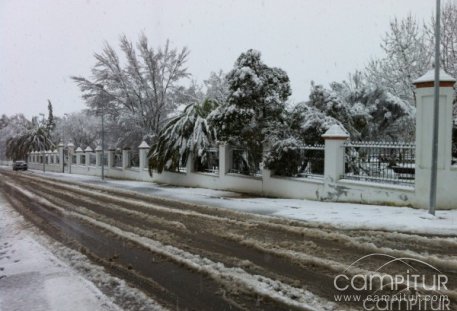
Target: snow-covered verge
<point>37,273</point>
<point>341,215</point>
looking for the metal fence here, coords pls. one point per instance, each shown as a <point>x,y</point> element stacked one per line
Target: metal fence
<point>92,159</point>
<point>117,158</point>
<point>382,162</point>
<point>312,159</point>
<point>242,165</point>
<point>208,161</point>
<point>134,158</point>
<point>104,159</point>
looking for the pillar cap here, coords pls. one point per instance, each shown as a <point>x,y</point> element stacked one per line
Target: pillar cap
<point>98,148</point>
<point>79,149</point>
<point>88,149</point>
<point>143,145</point>
<point>336,132</point>
<point>428,79</point>
<point>70,145</point>
<point>60,144</point>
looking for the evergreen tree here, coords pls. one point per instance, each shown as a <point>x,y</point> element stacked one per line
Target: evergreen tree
<point>50,122</point>
<point>255,106</point>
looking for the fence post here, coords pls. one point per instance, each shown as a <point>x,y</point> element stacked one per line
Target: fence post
<point>87,152</point>
<point>190,163</point>
<point>71,151</point>
<point>143,153</point>
<point>110,153</point>
<point>98,155</point>
<point>60,155</point>
<point>424,139</point>
<point>56,156</point>
<point>224,158</point>
<point>334,157</point>
<point>125,158</point>
<point>78,152</point>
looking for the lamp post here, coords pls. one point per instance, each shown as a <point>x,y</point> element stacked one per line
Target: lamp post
<point>436,111</point>
<point>64,127</point>
<point>101,104</point>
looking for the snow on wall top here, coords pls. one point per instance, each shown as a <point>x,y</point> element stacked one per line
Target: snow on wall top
<point>430,77</point>
<point>336,131</point>
<point>143,145</point>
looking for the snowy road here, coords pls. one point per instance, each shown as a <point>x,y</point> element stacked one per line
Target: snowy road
<point>189,256</point>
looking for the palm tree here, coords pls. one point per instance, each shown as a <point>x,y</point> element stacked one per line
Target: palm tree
<point>183,134</point>
<point>36,138</point>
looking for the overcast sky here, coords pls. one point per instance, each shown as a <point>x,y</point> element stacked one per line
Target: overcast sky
<point>43,43</point>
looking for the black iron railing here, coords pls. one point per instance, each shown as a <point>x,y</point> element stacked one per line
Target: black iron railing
<point>381,162</point>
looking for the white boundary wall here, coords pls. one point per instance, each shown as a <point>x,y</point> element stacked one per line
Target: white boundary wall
<point>265,185</point>
<point>329,188</point>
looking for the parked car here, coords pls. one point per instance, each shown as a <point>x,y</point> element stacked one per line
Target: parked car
<point>20,165</point>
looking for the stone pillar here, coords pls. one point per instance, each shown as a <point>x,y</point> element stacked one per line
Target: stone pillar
<point>98,156</point>
<point>71,151</point>
<point>424,139</point>
<point>225,158</point>
<point>110,153</point>
<point>78,152</point>
<point>335,137</point>
<point>190,163</point>
<point>55,157</point>
<point>125,158</point>
<point>143,154</point>
<point>87,152</point>
<point>47,157</point>
<point>61,155</point>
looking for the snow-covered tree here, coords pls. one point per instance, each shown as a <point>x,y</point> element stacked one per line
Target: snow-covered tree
<point>82,129</point>
<point>255,105</point>
<point>333,105</point>
<point>217,87</point>
<point>186,133</point>
<point>34,138</point>
<point>448,40</point>
<point>367,112</point>
<point>407,57</point>
<point>50,122</point>
<point>138,92</point>
<point>11,127</point>
<point>309,123</point>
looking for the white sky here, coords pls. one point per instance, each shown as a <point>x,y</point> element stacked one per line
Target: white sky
<point>43,43</point>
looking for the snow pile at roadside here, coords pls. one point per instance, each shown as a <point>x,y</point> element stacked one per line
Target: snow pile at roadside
<point>341,215</point>
<point>33,278</point>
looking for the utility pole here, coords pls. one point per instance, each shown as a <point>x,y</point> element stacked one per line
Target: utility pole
<point>103,143</point>
<point>436,110</point>
<point>101,104</point>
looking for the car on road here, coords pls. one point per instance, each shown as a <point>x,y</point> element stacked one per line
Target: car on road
<point>20,165</point>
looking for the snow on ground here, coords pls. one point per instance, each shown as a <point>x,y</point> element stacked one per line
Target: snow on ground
<point>342,215</point>
<point>32,278</point>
